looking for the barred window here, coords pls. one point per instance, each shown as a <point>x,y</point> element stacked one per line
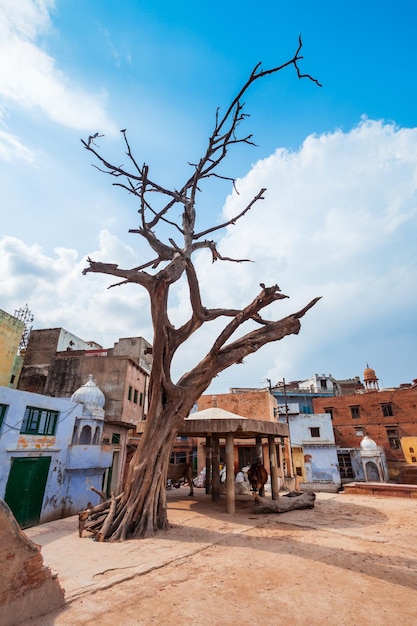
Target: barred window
<point>39,421</point>
<point>387,410</point>
<point>393,438</point>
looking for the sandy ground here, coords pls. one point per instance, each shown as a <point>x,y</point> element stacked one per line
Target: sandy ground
<point>351,560</point>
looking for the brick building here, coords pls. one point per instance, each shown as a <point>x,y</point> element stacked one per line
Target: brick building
<point>388,416</point>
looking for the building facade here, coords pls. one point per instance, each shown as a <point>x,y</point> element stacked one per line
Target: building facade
<point>314,451</point>
<point>387,416</point>
<point>51,454</point>
<point>57,363</point>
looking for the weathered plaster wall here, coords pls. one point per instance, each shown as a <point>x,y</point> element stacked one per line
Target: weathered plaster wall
<point>258,405</point>
<point>11,330</point>
<point>73,469</point>
<point>27,588</point>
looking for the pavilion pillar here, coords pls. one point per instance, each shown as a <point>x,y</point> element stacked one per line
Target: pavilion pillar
<point>260,459</point>
<point>208,463</point>
<point>273,467</point>
<point>230,474</point>
<point>280,462</point>
<point>259,453</point>
<point>215,476</point>
<point>288,454</point>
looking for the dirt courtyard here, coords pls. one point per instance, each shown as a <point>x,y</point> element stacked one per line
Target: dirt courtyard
<point>351,560</point>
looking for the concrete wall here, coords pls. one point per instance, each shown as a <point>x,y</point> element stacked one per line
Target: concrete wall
<point>300,426</point>
<point>319,464</point>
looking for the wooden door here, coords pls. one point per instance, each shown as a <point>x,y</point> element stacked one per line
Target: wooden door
<point>26,487</point>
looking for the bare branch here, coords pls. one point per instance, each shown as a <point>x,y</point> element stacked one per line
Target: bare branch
<point>233,220</point>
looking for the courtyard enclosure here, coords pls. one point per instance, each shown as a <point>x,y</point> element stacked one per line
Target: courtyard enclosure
<point>142,509</point>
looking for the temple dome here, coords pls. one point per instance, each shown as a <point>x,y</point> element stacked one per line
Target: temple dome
<point>368,445</point>
<point>369,374</point>
<point>89,394</point>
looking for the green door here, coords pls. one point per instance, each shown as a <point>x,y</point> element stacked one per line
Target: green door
<point>26,487</point>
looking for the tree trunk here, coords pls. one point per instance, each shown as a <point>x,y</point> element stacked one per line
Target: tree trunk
<point>173,241</point>
<point>141,509</point>
<point>305,501</point>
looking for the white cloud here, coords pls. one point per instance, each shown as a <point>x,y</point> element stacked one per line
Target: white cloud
<point>31,80</point>
<point>11,148</point>
<point>338,220</point>
<point>60,296</point>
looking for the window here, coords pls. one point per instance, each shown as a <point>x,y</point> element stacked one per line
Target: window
<point>394,440</point>
<point>329,410</point>
<point>3,409</point>
<point>115,438</point>
<point>39,421</point>
<point>135,396</point>
<point>314,431</point>
<point>413,459</point>
<point>359,432</point>
<point>129,393</point>
<point>141,399</point>
<point>345,465</point>
<point>354,412</point>
<point>299,471</point>
<point>387,410</point>
<point>323,383</point>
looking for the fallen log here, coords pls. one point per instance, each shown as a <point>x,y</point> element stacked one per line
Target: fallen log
<point>282,505</point>
<point>87,519</point>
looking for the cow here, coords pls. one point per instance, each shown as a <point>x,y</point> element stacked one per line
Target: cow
<point>257,476</point>
<point>181,470</point>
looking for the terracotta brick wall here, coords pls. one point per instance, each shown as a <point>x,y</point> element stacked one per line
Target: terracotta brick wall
<point>258,405</point>
<point>372,420</point>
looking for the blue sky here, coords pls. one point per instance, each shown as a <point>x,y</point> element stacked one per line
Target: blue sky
<point>339,162</point>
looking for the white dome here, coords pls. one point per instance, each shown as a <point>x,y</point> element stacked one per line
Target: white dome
<point>367,444</point>
<point>89,394</point>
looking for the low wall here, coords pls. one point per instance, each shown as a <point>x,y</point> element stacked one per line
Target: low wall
<point>382,489</point>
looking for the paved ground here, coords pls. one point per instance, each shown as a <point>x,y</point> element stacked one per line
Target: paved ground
<point>351,560</point>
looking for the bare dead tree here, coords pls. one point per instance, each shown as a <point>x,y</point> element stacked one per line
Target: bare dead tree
<point>141,510</point>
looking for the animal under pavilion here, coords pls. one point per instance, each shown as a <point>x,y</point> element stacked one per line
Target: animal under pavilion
<point>214,424</point>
